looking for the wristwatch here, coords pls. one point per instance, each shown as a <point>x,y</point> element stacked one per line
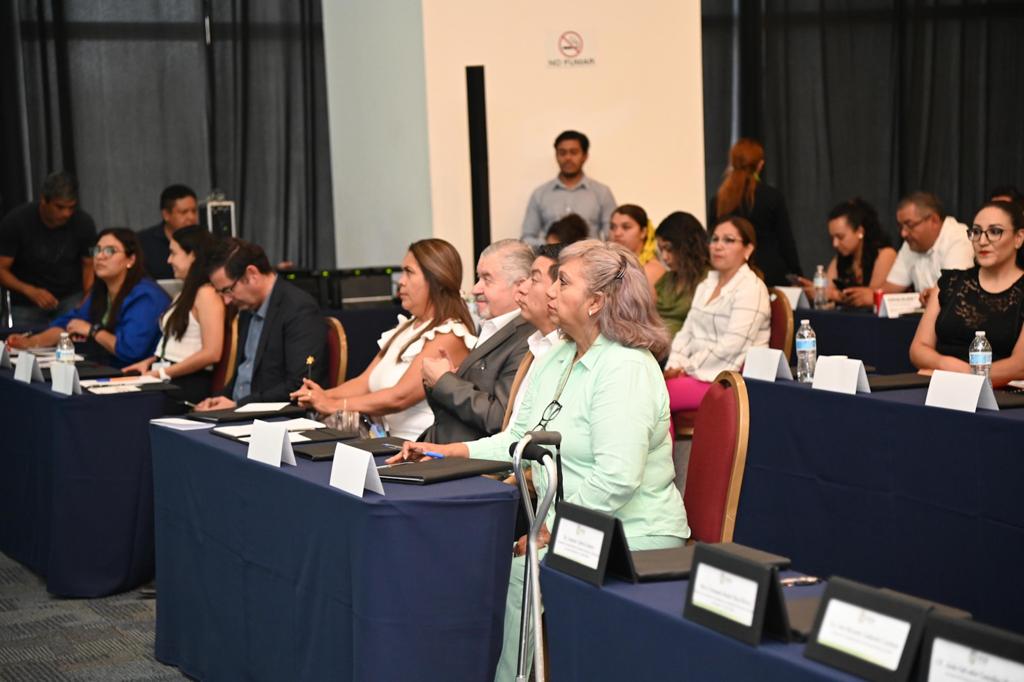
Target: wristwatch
<point>94,330</point>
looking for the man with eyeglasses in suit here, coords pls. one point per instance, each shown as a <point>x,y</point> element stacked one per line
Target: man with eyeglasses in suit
<point>44,253</point>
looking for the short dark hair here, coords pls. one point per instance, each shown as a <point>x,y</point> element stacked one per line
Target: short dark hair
<point>569,229</point>
<point>235,255</point>
<point>1007,191</point>
<point>60,185</point>
<point>172,193</point>
<point>574,135</point>
<point>552,251</point>
<point>924,201</point>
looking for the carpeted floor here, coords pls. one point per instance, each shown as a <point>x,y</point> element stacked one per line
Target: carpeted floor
<point>44,638</point>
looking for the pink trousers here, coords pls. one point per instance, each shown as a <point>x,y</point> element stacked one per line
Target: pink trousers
<point>685,393</point>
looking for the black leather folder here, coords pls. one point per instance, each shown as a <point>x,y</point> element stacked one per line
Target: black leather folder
<point>437,470</point>
<point>232,414</point>
<point>894,382</point>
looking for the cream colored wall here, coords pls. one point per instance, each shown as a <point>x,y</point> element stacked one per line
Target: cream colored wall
<point>640,102</point>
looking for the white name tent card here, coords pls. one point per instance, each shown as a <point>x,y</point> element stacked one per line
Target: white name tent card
<point>766,364</point>
<point>5,355</point>
<point>840,374</point>
<point>269,444</point>
<point>960,391</point>
<point>354,471</point>
<point>796,297</point>
<point>65,378</point>
<point>894,305</point>
<point>27,369</point>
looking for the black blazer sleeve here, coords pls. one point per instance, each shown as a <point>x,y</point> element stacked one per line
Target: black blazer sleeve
<point>787,243</point>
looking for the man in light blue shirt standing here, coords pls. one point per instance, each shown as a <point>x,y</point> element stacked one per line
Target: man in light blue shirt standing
<point>570,192</point>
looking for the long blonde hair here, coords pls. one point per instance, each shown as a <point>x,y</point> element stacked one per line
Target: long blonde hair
<point>628,316</point>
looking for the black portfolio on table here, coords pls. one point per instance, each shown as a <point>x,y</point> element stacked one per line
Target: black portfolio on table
<point>233,415</point>
<point>895,382</point>
<point>435,471</point>
<point>89,370</point>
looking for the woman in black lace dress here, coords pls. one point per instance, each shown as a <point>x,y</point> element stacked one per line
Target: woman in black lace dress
<point>989,297</point>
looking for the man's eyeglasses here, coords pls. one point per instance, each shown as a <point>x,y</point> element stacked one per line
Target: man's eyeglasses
<point>229,289</point>
<point>993,234</point>
<point>107,251</point>
<point>550,412</point>
<point>911,225</point>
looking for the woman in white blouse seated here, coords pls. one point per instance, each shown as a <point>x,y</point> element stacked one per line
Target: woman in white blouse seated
<point>193,326</point>
<point>730,313</point>
<point>392,386</point>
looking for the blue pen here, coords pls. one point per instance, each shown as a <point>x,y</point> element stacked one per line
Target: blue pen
<point>433,455</point>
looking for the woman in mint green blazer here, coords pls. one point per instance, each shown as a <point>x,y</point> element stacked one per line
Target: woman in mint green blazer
<point>603,390</point>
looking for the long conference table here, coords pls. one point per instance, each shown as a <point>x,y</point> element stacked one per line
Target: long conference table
<point>882,343</point>
<point>270,574</point>
<point>882,489</point>
<point>76,490</point>
<point>623,631</point>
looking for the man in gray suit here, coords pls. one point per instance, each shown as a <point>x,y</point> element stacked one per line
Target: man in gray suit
<point>469,401</point>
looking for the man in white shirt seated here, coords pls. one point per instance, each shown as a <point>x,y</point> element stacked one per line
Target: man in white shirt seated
<point>470,401</point>
<point>932,242</point>
<point>532,297</point>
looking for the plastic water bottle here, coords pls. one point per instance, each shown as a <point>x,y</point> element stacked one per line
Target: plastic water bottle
<point>980,355</point>
<point>806,352</point>
<point>65,349</point>
<point>820,287</point>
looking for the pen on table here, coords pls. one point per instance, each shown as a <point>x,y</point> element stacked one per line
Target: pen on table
<point>188,404</point>
<point>800,580</point>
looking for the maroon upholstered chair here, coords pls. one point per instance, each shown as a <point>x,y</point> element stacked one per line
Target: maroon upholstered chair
<point>337,352</point>
<point>224,370</point>
<point>781,337</point>
<point>718,456</point>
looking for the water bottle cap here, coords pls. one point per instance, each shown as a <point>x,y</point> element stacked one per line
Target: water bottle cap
<point>805,322</point>
<point>979,334</point>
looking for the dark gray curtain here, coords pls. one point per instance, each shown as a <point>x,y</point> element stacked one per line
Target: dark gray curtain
<point>131,96</point>
<point>872,98</point>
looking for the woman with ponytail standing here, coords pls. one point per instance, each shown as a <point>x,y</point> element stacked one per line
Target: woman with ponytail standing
<point>742,193</point>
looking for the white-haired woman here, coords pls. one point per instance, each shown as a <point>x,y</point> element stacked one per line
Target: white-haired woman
<point>602,389</point>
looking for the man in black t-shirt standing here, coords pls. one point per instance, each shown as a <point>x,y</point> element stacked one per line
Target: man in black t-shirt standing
<point>178,209</point>
<point>45,258</point>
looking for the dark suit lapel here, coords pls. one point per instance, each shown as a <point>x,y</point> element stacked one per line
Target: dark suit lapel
<point>268,323</point>
<point>488,346</point>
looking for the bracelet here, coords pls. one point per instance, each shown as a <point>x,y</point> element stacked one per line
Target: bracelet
<point>94,330</point>
<point>163,374</point>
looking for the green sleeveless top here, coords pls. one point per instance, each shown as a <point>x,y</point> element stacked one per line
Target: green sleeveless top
<point>672,306</point>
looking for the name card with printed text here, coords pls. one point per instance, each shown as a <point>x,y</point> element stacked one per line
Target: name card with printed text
<point>868,632</point>
<point>766,364</point>
<point>961,650</point>
<point>960,391</point>
<point>5,355</point>
<point>894,305</point>
<point>354,471</point>
<point>65,379</point>
<point>584,542</point>
<point>27,368</point>
<point>840,374</point>
<point>270,444</point>
<point>796,297</point>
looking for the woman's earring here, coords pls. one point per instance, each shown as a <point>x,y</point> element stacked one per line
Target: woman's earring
<point>590,313</point>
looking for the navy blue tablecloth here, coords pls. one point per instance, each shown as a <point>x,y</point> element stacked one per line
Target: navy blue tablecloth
<point>880,342</point>
<point>270,574</point>
<point>881,489</point>
<point>76,492</point>
<point>363,326</point>
<point>637,632</point>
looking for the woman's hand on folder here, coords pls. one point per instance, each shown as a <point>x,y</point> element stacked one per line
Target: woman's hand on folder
<point>414,452</point>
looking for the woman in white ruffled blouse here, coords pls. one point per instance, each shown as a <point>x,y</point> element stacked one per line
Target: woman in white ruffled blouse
<point>392,386</point>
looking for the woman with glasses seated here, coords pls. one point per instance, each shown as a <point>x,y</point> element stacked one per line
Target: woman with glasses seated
<point>392,386</point>
<point>989,297</point>
<point>193,327</point>
<point>730,313</point>
<point>602,390</point>
<point>119,319</point>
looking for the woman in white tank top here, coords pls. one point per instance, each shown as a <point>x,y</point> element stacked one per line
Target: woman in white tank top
<point>193,327</point>
<point>392,386</point>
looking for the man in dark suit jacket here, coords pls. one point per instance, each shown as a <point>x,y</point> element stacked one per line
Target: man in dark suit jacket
<point>278,329</point>
<point>469,402</point>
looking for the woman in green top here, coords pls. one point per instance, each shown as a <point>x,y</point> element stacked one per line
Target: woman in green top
<point>603,390</point>
<point>683,244</point>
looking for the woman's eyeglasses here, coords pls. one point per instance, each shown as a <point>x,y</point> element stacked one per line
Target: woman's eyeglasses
<point>107,251</point>
<point>992,234</point>
<point>728,241</point>
<point>550,412</point>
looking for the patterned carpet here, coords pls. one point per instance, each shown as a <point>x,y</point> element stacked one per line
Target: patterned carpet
<point>44,638</point>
